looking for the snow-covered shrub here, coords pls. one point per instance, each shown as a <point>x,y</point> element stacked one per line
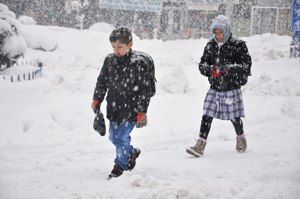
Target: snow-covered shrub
<point>5,28</point>
<point>103,27</point>
<point>3,7</point>
<point>13,46</point>
<point>19,34</point>
<point>27,20</point>
<point>12,43</point>
<point>39,38</point>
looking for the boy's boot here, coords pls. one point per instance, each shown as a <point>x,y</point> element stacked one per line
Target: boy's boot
<point>135,153</point>
<point>241,143</point>
<point>116,172</point>
<point>198,149</point>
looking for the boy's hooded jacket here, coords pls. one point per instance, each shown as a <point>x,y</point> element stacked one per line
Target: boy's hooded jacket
<point>126,81</point>
<point>230,55</point>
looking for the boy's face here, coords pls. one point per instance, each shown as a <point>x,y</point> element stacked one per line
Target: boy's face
<point>219,35</point>
<point>120,49</point>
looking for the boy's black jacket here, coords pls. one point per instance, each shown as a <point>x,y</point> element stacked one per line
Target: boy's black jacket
<point>127,85</point>
<point>233,52</point>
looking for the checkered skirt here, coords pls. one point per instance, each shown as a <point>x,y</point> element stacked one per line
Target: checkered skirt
<point>224,105</point>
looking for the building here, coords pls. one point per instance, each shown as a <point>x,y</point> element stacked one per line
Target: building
<point>162,19</point>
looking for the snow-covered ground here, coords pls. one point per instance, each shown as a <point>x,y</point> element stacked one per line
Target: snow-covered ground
<point>48,148</point>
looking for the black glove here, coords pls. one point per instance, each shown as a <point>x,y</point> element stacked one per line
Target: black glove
<point>205,69</point>
<point>223,69</point>
<point>99,123</point>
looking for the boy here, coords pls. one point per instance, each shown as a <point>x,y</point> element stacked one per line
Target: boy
<point>227,63</point>
<point>126,79</point>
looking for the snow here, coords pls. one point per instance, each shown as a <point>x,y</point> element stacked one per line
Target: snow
<point>27,20</point>
<point>103,27</point>
<point>39,37</point>
<point>5,27</point>
<point>3,7</point>
<point>48,148</point>
<point>13,45</point>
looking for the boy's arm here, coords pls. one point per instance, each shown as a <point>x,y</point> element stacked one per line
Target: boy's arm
<point>102,82</point>
<point>143,88</point>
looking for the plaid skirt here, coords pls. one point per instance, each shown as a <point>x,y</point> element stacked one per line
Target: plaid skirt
<point>224,105</point>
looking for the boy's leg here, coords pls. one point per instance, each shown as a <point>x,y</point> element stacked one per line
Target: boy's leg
<point>113,137</point>
<point>198,149</point>
<point>113,132</point>
<point>122,143</point>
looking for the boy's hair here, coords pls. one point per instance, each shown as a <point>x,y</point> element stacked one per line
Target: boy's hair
<point>123,35</point>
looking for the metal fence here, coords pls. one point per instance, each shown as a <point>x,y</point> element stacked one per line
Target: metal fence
<point>270,20</point>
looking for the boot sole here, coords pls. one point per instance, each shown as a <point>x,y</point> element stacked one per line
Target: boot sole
<point>241,150</point>
<point>136,156</point>
<point>193,153</point>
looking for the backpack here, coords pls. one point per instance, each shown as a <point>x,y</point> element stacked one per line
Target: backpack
<point>150,73</point>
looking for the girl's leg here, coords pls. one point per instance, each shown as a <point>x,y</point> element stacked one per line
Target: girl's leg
<point>238,126</point>
<point>241,142</point>
<point>199,147</point>
<point>205,126</point>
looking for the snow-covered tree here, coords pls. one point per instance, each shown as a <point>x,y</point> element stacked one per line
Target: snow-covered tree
<point>12,44</point>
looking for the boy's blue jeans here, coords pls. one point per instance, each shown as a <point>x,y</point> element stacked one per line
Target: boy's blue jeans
<point>119,135</point>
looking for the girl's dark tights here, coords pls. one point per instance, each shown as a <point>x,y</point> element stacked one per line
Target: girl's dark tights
<point>206,124</point>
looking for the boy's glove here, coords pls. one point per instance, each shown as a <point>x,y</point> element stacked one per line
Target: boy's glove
<point>99,123</point>
<point>95,106</point>
<point>141,120</point>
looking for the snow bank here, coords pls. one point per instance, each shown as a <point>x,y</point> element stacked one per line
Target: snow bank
<point>27,20</point>
<point>103,27</point>
<point>39,37</point>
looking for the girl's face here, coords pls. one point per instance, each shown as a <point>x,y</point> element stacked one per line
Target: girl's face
<point>219,35</point>
<point>120,49</point>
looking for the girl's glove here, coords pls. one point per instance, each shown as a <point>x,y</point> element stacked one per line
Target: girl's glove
<point>216,72</point>
<point>141,120</point>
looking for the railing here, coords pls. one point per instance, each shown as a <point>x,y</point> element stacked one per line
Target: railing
<point>33,70</point>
